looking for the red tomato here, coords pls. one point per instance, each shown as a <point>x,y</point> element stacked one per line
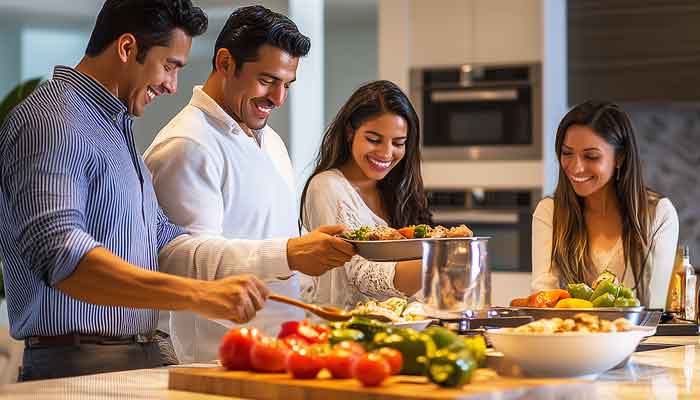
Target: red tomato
<point>234,351</point>
<point>393,357</point>
<point>288,328</point>
<point>339,362</point>
<point>371,369</point>
<point>269,355</point>
<point>352,347</point>
<point>304,364</point>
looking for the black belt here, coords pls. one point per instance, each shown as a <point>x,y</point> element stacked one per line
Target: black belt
<point>76,339</point>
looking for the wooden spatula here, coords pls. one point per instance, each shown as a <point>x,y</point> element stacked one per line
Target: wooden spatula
<point>327,313</point>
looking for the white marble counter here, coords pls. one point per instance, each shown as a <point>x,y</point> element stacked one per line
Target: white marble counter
<point>671,373</point>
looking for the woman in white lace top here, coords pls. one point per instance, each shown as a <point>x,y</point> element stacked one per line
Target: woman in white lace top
<point>367,173</point>
<point>602,216</point>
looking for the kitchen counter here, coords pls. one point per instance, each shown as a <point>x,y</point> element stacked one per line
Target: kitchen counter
<point>670,373</point>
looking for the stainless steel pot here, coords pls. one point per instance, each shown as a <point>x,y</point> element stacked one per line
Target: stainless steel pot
<point>456,274</point>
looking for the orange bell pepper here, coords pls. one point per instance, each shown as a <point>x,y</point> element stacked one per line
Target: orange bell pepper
<point>547,298</point>
<point>407,232</point>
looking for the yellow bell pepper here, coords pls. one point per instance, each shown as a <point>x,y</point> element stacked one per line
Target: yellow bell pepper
<point>574,303</point>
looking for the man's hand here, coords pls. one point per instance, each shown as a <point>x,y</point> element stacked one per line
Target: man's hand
<point>236,298</point>
<point>319,251</point>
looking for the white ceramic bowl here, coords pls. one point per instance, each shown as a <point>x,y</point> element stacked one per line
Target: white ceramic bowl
<point>418,325</point>
<point>571,354</point>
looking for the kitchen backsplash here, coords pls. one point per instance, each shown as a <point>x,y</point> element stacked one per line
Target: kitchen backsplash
<point>669,142</point>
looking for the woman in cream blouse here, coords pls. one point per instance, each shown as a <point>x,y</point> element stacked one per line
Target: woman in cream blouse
<point>602,216</point>
<point>367,174</point>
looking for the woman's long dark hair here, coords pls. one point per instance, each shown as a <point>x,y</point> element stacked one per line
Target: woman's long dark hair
<point>402,189</point>
<point>570,253</point>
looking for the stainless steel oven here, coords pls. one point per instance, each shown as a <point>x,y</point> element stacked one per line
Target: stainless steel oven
<point>505,215</point>
<point>479,112</point>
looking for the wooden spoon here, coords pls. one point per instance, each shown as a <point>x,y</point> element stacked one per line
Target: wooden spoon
<point>327,313</point>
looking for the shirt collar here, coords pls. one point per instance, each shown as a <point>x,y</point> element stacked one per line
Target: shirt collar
<point>205,103</point>
<point>89,88</point>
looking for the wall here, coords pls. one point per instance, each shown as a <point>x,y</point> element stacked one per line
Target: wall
<point>351,59</point>
<point>668,137</point>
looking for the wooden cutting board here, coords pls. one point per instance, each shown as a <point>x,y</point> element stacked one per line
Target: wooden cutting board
<point>250,385</point>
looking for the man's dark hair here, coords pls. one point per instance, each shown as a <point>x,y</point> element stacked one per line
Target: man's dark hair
<point>248,28</point>
<point>150,21</point>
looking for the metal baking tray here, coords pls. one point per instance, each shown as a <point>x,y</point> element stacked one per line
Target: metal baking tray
<point>398,250</point>
<point>636,315</point>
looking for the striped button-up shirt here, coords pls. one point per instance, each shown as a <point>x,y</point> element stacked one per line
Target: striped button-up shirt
<point>72,180</point>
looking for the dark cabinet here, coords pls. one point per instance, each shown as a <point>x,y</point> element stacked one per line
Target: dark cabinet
<point>634,50</point>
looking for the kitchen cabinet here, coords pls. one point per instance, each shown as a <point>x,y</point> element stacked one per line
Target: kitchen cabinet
<point>453,32</point>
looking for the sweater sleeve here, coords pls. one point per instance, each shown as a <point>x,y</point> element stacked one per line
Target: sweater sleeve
<point>186,178</point>
<point>543,278</point>
<point>662,252</point>
<point>328,201</point>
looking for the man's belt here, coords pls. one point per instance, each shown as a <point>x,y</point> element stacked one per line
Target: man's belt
<point>77,339</point>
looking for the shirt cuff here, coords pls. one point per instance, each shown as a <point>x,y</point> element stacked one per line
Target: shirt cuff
<point>75,245</point>
<point>272,255</point>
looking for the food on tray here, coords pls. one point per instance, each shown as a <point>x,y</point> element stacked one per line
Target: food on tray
<point>581,322</point>
<point>606,292</point>
<point>360,348</point>
<point>395,309</point>
<point>410,232</point>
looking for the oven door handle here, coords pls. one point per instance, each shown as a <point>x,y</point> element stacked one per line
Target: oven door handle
<point>476,216</point>
<point>451,96</point>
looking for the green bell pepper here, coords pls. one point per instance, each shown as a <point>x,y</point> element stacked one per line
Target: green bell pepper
<point>625,302</point>
<point>421,231</point>
<point>604,300</point>
<point>579,291</point>
<point>451,369</point>
<point>338,335</point>
<point>605,287</point>
<point>441,336</point>
<point>475,344</point>
<point>626,293</point>
<point>368,326</point>
<point>415,347</point>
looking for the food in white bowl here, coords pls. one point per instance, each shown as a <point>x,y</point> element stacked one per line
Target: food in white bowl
<point>578,347</point>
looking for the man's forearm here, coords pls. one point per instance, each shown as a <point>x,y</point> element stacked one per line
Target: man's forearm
<point>103,278</point>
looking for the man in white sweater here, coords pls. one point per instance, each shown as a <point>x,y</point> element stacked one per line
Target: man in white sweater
<point>219,170</point>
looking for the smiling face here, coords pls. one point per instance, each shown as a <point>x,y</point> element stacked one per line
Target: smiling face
<point>587,160</point>
<point>156,75</point>
<point>254,89</point>
<point>377,146</point>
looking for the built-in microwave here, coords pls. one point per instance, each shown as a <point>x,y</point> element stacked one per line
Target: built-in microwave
<point>479,112</point>
<point>504,215</point>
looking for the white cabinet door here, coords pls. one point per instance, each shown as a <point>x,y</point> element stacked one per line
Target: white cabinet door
<point>441,32</point>
<point>507,31</point>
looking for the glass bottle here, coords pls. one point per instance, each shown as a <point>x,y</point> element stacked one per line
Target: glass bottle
<point>690,287</point>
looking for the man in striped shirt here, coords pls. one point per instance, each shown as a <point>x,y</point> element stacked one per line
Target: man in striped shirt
<point>83,235</point>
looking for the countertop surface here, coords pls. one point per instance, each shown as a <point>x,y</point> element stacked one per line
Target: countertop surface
<point>669,373</point>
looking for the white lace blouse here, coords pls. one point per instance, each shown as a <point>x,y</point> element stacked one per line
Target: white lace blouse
<point>331,199</point>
